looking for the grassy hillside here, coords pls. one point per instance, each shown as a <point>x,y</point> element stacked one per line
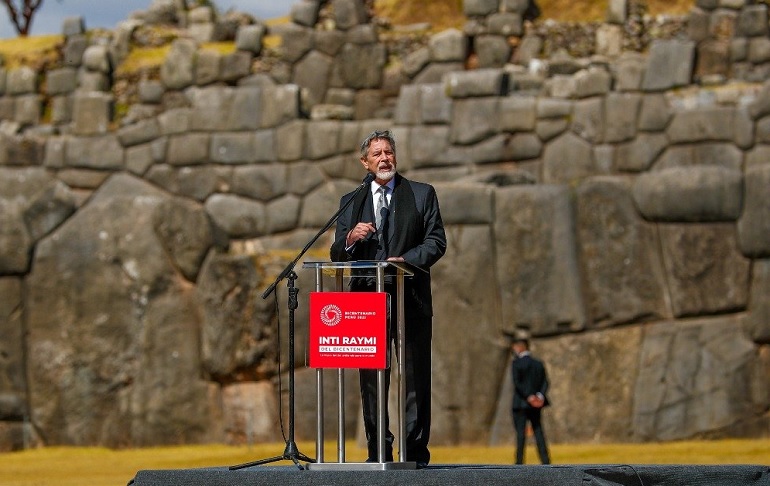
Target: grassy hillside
<point>448,13</point>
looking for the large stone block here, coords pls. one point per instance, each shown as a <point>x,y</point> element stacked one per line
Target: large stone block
<point>655,113</point>
<point>492,51</point>
<point>97,58</point>
<point>48,208</point>
<point>758,316</point>
<point>178,69</point>
<point>592,82</point>
<point>73,50</point>
<point>506,24</point>
<point>473,120</point>
<point>517,114</point>
<point>289,141</point>
<point>460,394</point>
<point>13,383</point>
<point>208,67</point>
<point>61,81</point>
<point>24,151</point>
<point>724,155</point>
<point>567,159</point>
<point>304,177</point>
<point>670,65</point>
<point>188,149</point>
<point>697,379</point>
<point>618,251</point>
<point>197,182</point>
<point>237,216</point>
<point>312,74</point>
<point>754,222</point>
<point>321,202</point>
<point>436,71</point>
<point>427,145</point>
<point>235,334</point>
<point>690,194</point>
<point>233,148</point>
<point>21,80</point>
<point>629,71</point>
<point>305,13</point>
<point>465,203</point>
<point>28,109</point>
<point>590,119</point>
<point>15,240</point>
<point>139,159</point>
<point>217,108</point>
<point>639,155</point>
<point>709,123</point>
<point>296,42</point>
<point>263,182</point>
<point>621,112</point>
<point>102,153</point>
<point>448,46</point>
<point>235,65</point>
<point>435,106</point>
<point>473,8</point>
<point>174,121</point>
<point>348,13</point>
<point>537,268</point>
<point>478,83</point>
<point>498,148</point>
<point>283,214</point>
<point>92,113</point>
<point>706,273</point>
<point>138,133</point>
<point>361,66</point>
<point>279,104</point>
<point>323,140</point>
<point>111,278</point>
<point>752,21</point>
<point>553,108</point>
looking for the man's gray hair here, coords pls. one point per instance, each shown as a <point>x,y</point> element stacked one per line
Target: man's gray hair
<point>378,135</point>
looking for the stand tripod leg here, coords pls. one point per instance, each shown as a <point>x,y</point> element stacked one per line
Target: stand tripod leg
<point>291,452</point>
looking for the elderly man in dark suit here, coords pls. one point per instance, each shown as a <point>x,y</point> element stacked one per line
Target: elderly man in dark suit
<point>530,383</point>
<point>411,231</point>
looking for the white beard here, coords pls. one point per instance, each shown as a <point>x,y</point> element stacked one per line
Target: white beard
<point>386,175</point>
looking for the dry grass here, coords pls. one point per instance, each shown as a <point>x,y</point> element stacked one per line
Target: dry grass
<point>98,466</point>
<point>30,51</point>
<point>443,14</point>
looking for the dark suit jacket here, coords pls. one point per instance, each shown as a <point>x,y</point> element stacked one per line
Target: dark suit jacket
<point>415,232</point>
<point>529,378</point>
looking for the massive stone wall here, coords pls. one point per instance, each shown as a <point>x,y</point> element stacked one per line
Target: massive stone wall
<point>609,205</point>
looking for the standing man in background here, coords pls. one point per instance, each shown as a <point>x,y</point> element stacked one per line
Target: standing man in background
<point>530,385</point>
<point>398,220</point>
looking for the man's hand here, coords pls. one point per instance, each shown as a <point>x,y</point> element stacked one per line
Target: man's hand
<point>535,401</point>
<point>358,233</point>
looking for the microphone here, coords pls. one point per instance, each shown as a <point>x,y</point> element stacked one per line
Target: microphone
<point>368,179</point>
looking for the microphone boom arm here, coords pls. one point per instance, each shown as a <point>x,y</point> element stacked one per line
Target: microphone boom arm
<point>367,180</point>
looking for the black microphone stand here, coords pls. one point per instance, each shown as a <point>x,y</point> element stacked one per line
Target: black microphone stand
<point>291,452</point>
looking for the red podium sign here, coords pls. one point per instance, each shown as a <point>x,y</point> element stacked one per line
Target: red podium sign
<point>348,330</point>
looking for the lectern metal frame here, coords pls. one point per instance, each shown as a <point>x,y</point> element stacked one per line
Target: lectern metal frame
<point>340,270</point>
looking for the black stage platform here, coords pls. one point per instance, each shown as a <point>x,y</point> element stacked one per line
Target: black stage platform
<point>466,475</point>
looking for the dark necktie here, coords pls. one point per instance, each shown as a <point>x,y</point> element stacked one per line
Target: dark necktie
<point>381,222</point>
